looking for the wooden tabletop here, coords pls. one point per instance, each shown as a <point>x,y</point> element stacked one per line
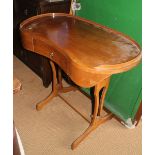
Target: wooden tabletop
<point>78,44</point>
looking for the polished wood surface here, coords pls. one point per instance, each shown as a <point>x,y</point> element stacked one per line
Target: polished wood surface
<point>24,9</point>
<point>87,52</point>
<point>86,48</point>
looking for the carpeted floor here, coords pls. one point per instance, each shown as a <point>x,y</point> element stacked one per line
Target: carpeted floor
<point>52,130</point>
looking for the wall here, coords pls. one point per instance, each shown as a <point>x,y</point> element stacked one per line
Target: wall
<point>124,94</point>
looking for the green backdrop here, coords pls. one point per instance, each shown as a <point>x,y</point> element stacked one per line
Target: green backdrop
<point>124,93</point>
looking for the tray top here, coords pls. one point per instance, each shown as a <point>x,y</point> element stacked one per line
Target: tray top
<point>86,43</point>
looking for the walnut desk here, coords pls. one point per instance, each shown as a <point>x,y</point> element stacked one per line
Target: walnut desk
<point>87,52</point>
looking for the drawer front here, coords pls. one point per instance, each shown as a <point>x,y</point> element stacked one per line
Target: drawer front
<point>46,50</point>
<point>59,58</point>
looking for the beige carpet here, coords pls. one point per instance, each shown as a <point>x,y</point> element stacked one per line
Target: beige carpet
<point>52,130</point>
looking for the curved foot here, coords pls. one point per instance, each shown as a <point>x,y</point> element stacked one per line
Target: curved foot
<point>41,104</point>
<point>92,127</point>
<point>82,137</point>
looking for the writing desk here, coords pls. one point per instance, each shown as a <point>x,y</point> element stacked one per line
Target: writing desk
<point>87,52</point>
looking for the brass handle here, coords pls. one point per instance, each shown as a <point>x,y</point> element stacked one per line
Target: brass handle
<point>51,55</point>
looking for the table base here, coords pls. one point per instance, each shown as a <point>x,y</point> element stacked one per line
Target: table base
<point>96,118</point>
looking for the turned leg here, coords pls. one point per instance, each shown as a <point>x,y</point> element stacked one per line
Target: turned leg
<point>95,121</point>
<point>54,92</point>
<point>104,91</point>
<point>61,88</point>
<point>56,87</point>
<point>91,126</point>
<point>96,106</point>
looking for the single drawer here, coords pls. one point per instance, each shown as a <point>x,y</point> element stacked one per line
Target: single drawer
<point>48,51</point>
<point>59,58</point>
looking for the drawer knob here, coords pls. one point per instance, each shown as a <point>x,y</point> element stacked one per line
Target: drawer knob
<point>51,55</point>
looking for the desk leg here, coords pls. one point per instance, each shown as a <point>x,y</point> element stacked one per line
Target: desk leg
<point>61,88</point>
<point>56,87</point>
<point>54,92</point>
<point>96,120</point>
<point>104,91</point>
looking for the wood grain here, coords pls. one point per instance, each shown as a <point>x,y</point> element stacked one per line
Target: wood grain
<point>87,52</point>
<point>90,52</point>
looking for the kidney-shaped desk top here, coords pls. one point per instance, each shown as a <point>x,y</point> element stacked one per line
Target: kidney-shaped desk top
<point>80,47</point>
<point>87,52</point>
